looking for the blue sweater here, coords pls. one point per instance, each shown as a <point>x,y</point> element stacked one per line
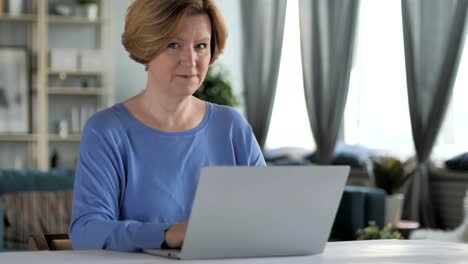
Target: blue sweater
<point>132,182</point>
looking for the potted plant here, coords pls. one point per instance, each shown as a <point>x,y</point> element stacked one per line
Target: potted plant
<point>372,231</point>
<point>217,87</point>
<point>89,8</point>
<point>389,173</point>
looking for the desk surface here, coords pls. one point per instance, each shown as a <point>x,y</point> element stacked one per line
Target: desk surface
<point>371,251</point>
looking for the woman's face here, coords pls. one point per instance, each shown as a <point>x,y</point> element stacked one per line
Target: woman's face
<point>180,68</point>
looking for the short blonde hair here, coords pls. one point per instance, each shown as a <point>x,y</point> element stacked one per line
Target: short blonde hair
<point>151,24</point>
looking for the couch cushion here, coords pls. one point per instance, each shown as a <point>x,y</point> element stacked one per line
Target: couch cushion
<point>458,163</point>
<point>353,155</point>
<point>34,213</point>
<point>358,206</point>
<point>27,180</point>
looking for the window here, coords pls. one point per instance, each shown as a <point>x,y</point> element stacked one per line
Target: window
<point>377,111</point>
<point>453,139</point>
<point>289,125</point>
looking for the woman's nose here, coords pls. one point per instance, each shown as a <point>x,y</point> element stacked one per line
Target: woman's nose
<point>189,57</point>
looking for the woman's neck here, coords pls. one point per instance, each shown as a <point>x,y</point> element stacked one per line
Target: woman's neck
<point>166,113</point>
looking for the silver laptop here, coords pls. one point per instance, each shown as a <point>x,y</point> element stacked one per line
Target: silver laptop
<point>243,212</point>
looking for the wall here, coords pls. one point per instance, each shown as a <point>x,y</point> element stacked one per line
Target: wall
<point>232,56</point>
<point>130,78</point>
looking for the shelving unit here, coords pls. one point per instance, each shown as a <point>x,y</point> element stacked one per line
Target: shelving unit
<point>75,73</point>
<point>55,92</point>
<point>75,91</point>
<point>69,138</point>
<point>74,20</point>
<point>18,138</point>
<point>22,18</point>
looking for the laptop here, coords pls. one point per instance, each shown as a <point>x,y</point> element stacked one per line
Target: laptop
<point>245,212</point>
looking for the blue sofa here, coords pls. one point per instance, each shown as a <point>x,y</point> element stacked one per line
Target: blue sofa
<point>358,205</point>
<point>27,180</point>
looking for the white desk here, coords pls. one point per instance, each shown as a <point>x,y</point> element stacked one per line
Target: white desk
<point>371,251</point>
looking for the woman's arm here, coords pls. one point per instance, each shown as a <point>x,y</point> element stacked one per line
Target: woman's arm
<point>98,193</point>
<point>248,152</point>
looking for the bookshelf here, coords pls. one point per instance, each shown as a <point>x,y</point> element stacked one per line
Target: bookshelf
<point>58,96</point>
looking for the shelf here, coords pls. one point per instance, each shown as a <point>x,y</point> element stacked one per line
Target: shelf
<point>75,91</point>
<point>74,20</point>
<point>22,18</point>
<point>52,19</point>
<point>17,137</point>
<point>69,138</point>
<point>75,73</point>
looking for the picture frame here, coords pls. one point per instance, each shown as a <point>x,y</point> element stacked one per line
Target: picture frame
<point>15,90</point>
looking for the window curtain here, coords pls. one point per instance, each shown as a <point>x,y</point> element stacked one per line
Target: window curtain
<point>263,28</point>
<point>433,39</point>
<point>327,40</point>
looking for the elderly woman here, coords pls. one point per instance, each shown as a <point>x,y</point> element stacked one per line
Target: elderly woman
<point>140,160</point>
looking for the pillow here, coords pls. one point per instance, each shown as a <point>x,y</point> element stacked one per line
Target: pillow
<point>349,159</point>
<point>353,155</point>
<point>30,213</point>
<point>458,163</point>
<point>288,162</point>
<point>283,153</point>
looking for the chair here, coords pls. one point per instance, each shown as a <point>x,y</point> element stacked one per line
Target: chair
<point>49,242</point>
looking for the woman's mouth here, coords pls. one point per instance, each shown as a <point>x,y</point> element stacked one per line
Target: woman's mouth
<point>186,76</point>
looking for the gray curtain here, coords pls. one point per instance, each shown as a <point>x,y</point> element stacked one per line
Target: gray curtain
<point>327,41</point>
<point>263,27</point>
<point>434,37</point>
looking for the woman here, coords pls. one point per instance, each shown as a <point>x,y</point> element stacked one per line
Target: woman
<point>140,160</point>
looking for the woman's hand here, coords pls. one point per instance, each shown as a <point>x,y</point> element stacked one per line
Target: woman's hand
<point>175,235</point>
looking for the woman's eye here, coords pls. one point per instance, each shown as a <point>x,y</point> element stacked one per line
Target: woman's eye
<point>201,46</point>
<point>173,45</point>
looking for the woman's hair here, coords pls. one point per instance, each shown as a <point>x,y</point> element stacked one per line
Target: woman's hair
<point>150,25</point>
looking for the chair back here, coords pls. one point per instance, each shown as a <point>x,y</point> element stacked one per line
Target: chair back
<point>49,242</point>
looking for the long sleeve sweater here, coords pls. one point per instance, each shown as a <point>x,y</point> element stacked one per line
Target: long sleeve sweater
<point>133,182</point>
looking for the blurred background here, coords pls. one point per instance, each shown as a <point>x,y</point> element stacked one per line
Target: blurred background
<point>320,82</point>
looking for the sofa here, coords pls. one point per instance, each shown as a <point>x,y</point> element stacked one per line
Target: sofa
<point>448,189</point>
<point>33,202</point>
<point>359,205</point>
